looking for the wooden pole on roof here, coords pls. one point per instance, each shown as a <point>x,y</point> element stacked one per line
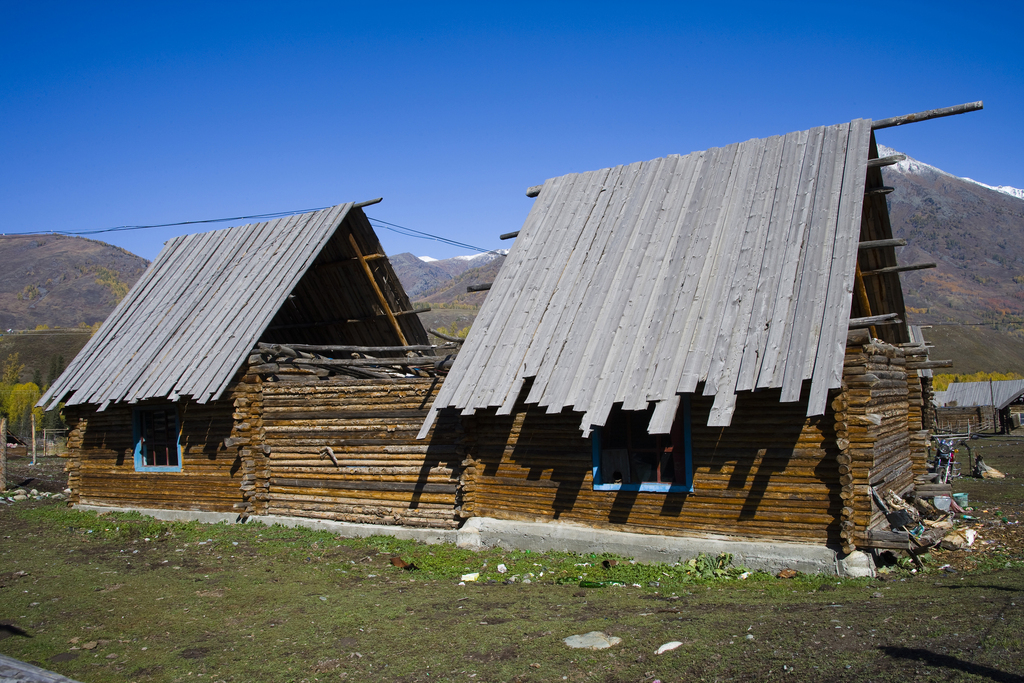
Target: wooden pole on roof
<point>926,115</point>
<point>380,295</point>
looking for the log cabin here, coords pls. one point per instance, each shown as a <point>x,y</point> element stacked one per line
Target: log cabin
<point>273,368</point>
<point>711,346</point>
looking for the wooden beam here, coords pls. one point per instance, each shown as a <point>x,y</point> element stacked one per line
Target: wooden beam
<point>857,337</point>
<point>348,261</point>
<point>362,362</point>
<point>345,321</point>
<point>862,295</point>
<point>925,115</point>
<point>368,202</point>
<point>878,244</point>
<point>261,346</point>
<point>508,235</point>
<point>899,269</point>
<point>380,295</point>
<point>885,189</point>
<point>479,288</point>
<point>872,320</point>
<point>446,337</point>
<point>364,485</point>
<point>886,161</point>
<point>929,364</point>
<point>534,191</point>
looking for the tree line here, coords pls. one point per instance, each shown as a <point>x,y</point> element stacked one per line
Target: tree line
<point>18,399</point>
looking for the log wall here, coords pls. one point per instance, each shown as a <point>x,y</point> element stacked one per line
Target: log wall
<point>772,474</point>
<point>383,475</point>
<point>962,419</point>
<point>101,466</point>
<point>262,450</point>
<point>874,430</point>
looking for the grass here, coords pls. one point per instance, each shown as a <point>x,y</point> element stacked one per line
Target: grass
<point>122,597</point>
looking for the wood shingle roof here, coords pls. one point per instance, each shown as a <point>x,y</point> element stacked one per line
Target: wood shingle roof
<point>720,271</point>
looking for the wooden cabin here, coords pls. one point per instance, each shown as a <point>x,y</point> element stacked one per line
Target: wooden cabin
<point>703,345</point>
<point>269,368</point>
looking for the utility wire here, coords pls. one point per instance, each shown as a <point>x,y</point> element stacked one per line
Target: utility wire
<point>409,232</point>
<point>376,222</point>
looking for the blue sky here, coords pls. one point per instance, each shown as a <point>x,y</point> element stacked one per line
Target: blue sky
<point>144,113</point>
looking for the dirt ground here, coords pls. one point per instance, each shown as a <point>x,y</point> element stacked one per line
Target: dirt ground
<point>46,475</point>
<point>126,598</point>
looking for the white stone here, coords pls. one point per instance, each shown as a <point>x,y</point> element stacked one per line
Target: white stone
<point>595,640</point>
<point>671,645</point>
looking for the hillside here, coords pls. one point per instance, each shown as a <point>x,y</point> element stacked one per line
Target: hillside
<point>419,276</point>
<point>974,233</point>
<point>62,281</point>
<point>974,348</point>
<point>453,291</point>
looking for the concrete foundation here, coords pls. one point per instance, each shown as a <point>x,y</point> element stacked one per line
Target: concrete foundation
<point>485,532</point>
<point>755,555</point>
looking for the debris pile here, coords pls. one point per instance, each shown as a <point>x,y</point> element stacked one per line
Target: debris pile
<point>19,494</point>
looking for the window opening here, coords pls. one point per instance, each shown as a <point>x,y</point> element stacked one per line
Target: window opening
<point>157,447</point>
<point>627,458</point>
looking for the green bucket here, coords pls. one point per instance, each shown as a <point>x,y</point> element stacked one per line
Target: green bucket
<point>961,499</point>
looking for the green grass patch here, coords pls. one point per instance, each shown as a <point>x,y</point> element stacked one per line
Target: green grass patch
<point>122,597</point>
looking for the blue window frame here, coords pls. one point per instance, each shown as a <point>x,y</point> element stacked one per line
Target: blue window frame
<point>627,458</point>
<point>157,439</point>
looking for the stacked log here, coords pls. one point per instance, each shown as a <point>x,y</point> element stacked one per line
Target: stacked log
<point>77,427</point>
<point>247,437</point>
<point>345,449</point>
<point>918,406</point>
<point>872,432</point>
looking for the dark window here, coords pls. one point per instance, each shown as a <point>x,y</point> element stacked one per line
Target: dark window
<point>156,439</point>
<point>627,457</point>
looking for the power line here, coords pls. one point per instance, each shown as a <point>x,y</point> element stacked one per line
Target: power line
<point>376,222</point>
<point>409,232</point>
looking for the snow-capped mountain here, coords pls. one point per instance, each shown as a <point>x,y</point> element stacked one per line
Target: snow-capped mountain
<point>913,166</point>
<point>419,274</point>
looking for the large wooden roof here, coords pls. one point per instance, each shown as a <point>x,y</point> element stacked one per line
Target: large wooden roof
<point>720,271</point>
<point>188,324</point>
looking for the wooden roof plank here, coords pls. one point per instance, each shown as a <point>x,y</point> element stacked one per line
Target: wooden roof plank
<point>810,299</point>
<point>827,369</point>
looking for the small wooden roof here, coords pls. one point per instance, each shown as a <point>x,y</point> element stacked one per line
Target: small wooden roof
<point>972,394</point>
<point>720,271</point>
<point>188,324</point>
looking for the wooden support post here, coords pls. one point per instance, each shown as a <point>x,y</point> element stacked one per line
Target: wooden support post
<point>33,439</point>
<point>886,161</point>
<point>3,454</point>
<point>376,289</point>
<point>877,244</point>
<point>899,269</point>
<point>446,337</point>
<point>862,297</point>
<point>872,320</point>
